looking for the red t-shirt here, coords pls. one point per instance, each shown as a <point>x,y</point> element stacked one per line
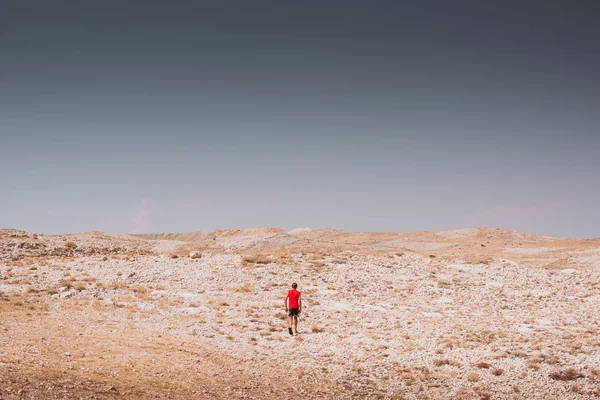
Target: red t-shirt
<point>293,296</point>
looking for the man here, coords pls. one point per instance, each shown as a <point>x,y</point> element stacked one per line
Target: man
<point>293,306</point>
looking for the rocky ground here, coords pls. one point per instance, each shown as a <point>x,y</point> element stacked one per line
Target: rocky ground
<point>467,314</point>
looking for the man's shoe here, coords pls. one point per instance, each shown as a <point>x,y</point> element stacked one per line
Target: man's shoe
<point>296,333</point>
<point>290,331</point>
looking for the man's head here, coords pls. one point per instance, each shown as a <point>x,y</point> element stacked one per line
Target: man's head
<point>294,285</point>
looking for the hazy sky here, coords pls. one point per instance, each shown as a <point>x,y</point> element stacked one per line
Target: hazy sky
<point>139,116</point>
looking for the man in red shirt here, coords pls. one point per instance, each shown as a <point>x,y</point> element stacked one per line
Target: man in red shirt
<point>293,306</point>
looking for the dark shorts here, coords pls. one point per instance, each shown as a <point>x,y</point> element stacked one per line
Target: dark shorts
<point>293,311</point>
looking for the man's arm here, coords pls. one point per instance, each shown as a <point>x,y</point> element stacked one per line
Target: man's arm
<point>285,302</point>
<point>299,303</point>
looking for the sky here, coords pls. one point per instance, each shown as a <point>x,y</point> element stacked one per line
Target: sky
<point>148,116</point>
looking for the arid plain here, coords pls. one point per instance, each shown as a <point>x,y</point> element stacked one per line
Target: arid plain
<point>465,314</point>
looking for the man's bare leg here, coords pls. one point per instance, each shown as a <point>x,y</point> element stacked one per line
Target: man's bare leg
<point>295,323</point>
<point>290,324</point>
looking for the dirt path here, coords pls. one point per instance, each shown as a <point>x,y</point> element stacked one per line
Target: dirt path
<point>48,356</point>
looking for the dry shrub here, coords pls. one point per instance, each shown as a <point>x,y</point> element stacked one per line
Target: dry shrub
<point>317,329</point>
<point>257,258</point>
<point>533,365</point>
<point>67,283</point>
<point>441,362</point>
<point>139,289</point>
<point>284,255</point>
<point>569,374</point>
<point>497,371</point>
<point>133,308</point>
<point>80,287</point>
<point>245,288</point>
<point>142,296</point>
<point>318,265</point>
<point>282,316</point>
<point>165,302</point>
<point>14,264</point>
<point>483,337</point>
<point>473,377</point>
<point>99,306</point>
<point>575,388</point>
<point>116,285</point>
<point>70,245</point>
<point>444,284</point>
<point>125,298</point>
<point>483,365</point>
<point>173,256</point>
<point>319,254</point>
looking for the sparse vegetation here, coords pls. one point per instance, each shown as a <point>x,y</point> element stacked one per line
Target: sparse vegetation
<point>575,388</point>
<point>66,283</point>
<point>377,307</point>
<point>257,258</point>
<point>441,362</point>
<point>245,288</point>
<point>473,377</point>
<point>139,289</point>
<point>568,374</point>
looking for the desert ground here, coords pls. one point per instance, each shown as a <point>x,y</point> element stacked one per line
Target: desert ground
<point>465,314</point>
